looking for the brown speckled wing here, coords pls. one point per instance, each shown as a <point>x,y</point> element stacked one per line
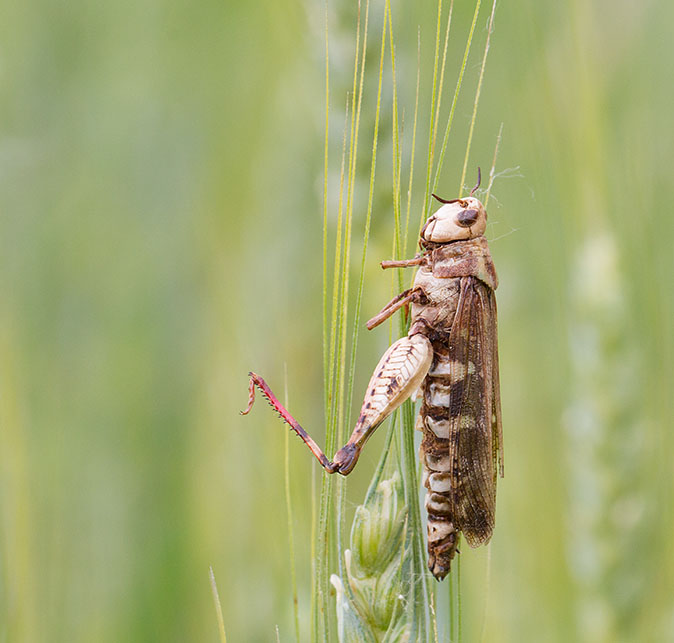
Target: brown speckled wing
<point>474,445</point>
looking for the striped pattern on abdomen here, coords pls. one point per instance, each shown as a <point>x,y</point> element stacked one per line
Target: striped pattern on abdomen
<point>434,421</point>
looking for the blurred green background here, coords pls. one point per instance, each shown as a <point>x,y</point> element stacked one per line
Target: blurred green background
<point>160,235</point>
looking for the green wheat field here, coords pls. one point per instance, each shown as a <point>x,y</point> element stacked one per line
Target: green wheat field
<point>173,215</point>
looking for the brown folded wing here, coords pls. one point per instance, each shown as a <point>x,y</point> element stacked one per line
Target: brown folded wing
<point>475,415</point>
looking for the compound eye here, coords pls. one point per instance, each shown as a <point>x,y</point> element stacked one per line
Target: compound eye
<point>467,218</point>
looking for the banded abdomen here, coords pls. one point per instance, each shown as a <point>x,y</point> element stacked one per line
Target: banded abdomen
<point>434,421</point>
<point>434,319</point>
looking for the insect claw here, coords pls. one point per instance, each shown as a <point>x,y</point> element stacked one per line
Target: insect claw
<point>251,394</point>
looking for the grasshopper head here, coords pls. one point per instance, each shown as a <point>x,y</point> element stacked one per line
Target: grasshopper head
<point>455,220</point>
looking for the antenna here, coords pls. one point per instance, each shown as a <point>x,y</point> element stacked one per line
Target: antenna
<point>435,196</point>
<point>479,180</point>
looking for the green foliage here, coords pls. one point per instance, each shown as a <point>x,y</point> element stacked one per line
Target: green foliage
<point>377,568</point>
<point>377,533</point>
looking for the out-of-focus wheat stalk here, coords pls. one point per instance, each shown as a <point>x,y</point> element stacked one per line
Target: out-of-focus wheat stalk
<point>605,445</point>
<point>602,420</point>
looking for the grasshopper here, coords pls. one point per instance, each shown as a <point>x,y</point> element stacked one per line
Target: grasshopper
<point>450,359</point>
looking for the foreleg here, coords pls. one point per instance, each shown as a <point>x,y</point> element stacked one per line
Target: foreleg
<point>403,263</point>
